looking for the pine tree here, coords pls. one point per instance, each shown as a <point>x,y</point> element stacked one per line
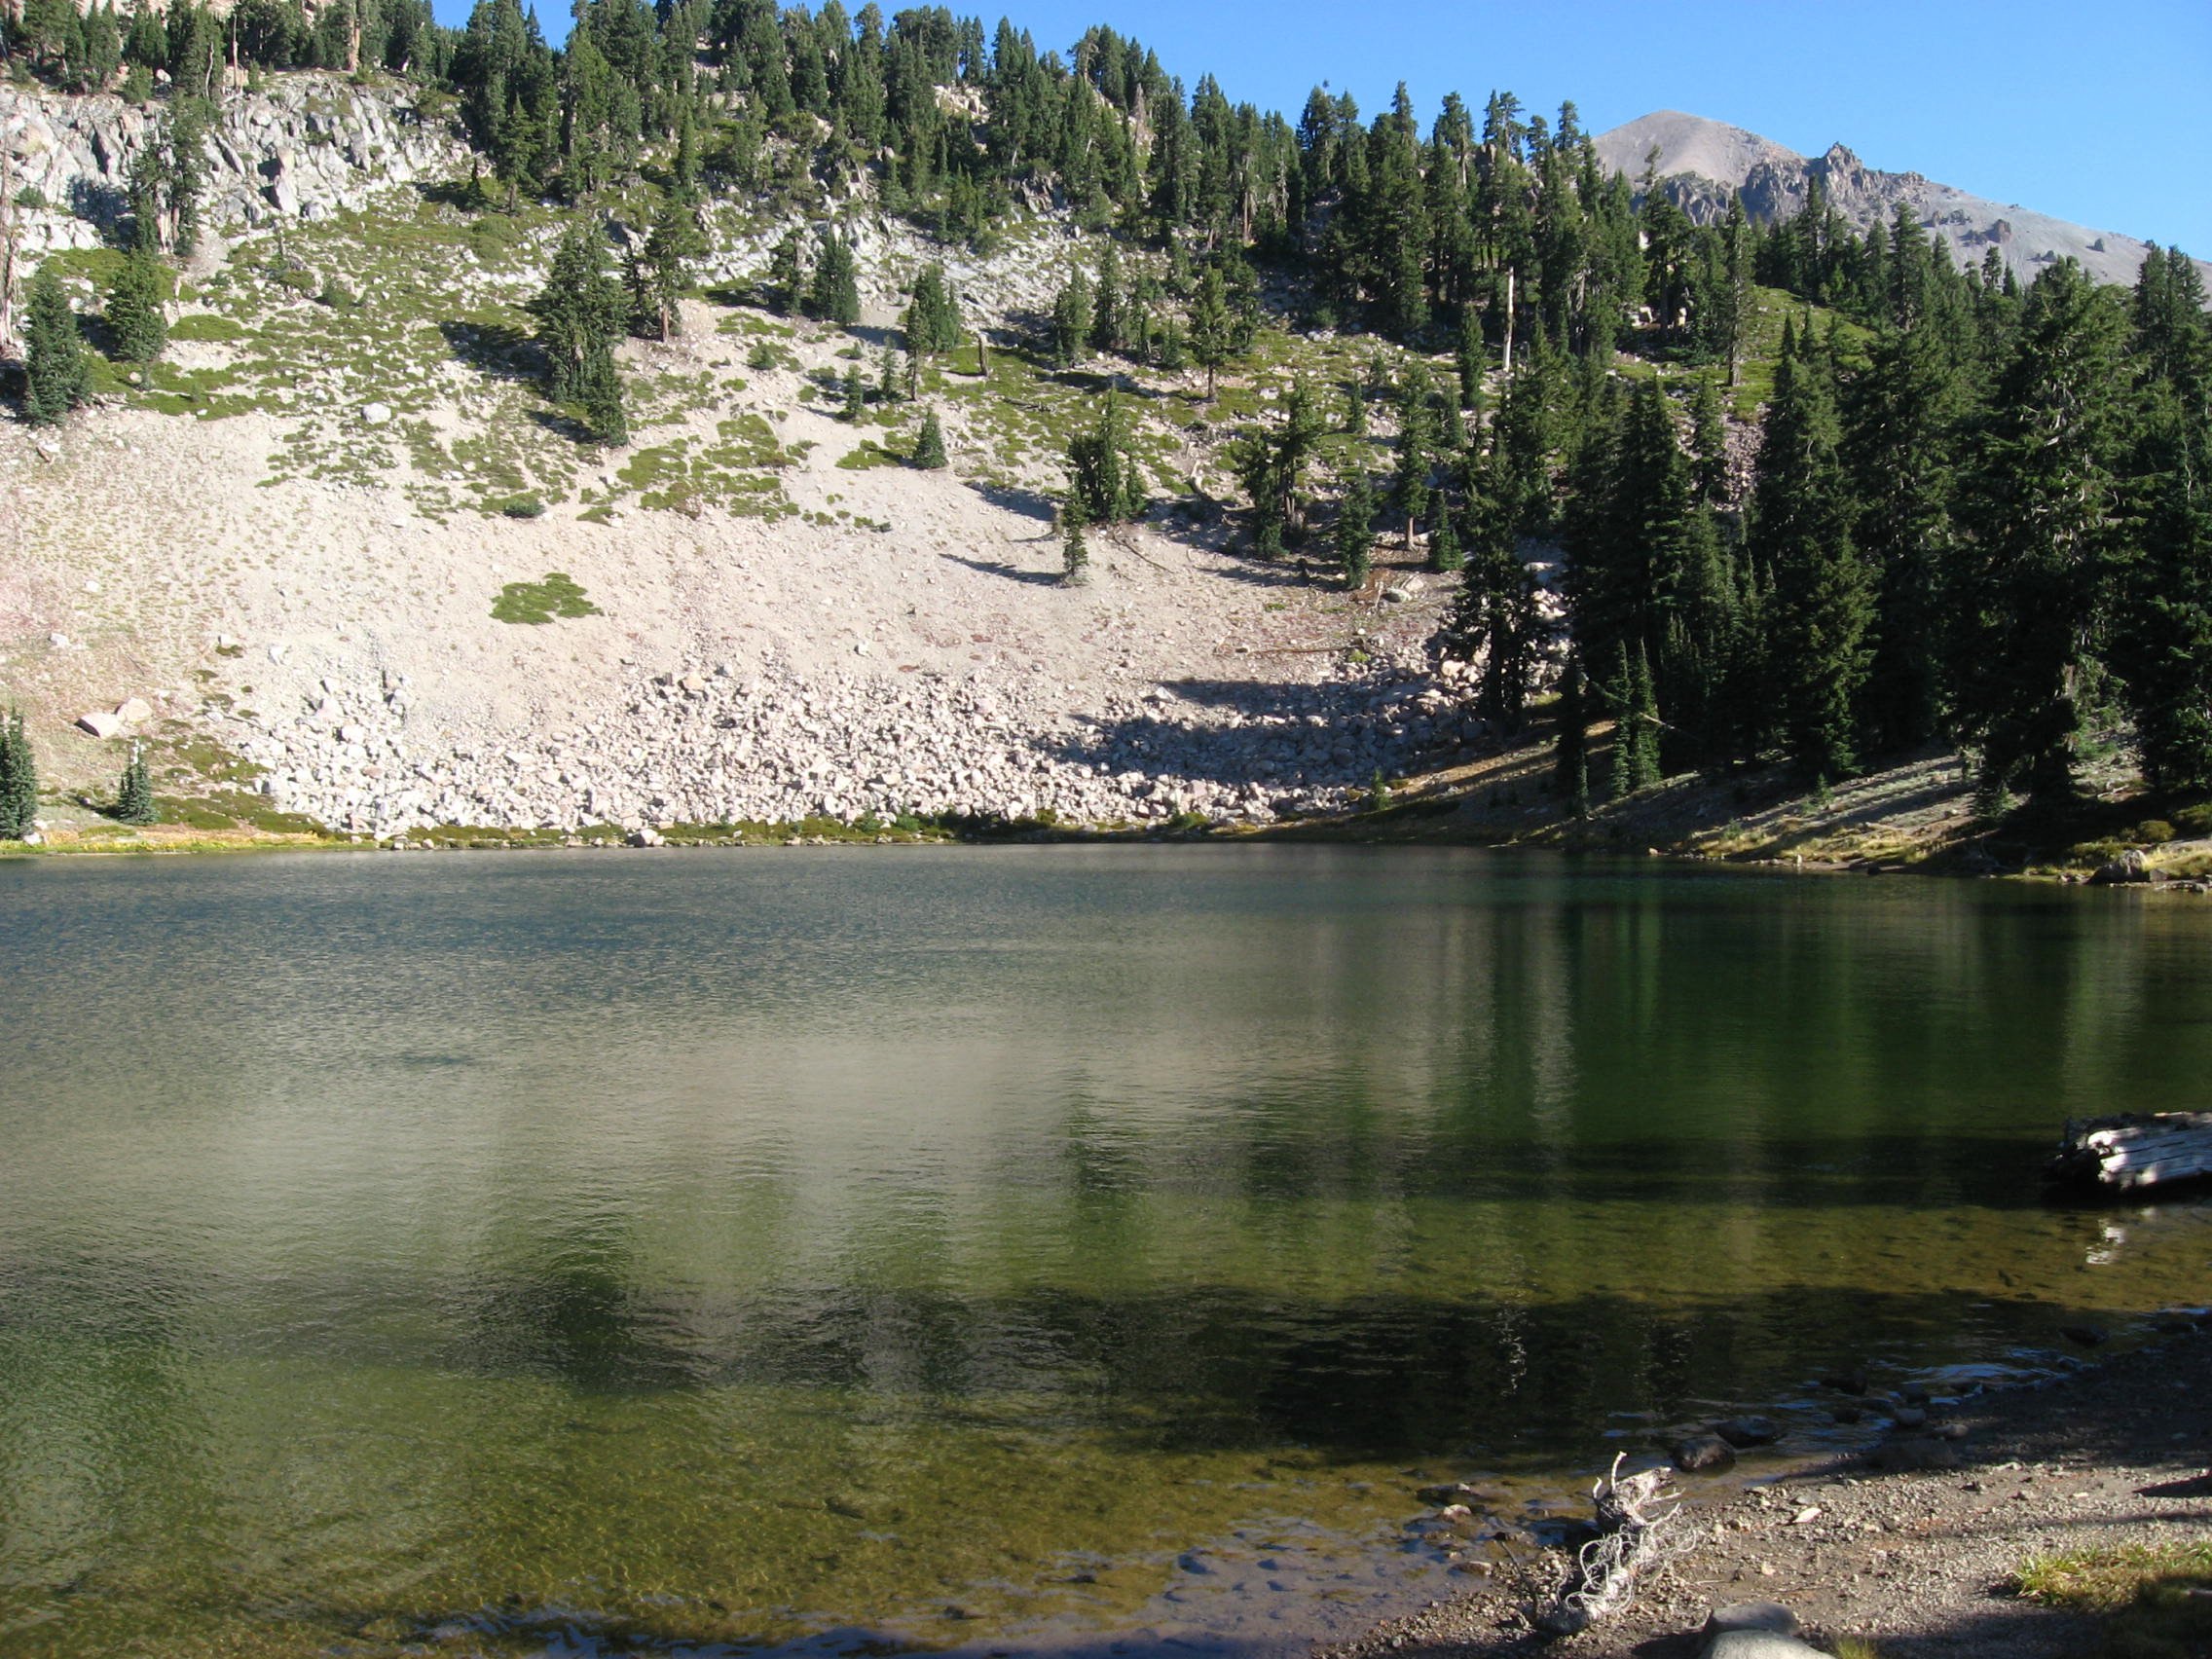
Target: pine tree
<point>1355,522</point>
<point>931,324</point>
<point>1802,531</point>
<point>599,394</point>
<point>671,246</point>
<point>929,442</point>
<point>580,312</point>
<point>57,367</point>
<point>1212,329</point>
<point>1416,447</point>
<point>855,407</point>
<point>1468,363</point>
<point>1709,443</point>
<point>1103,468</point>
<point>18,781</point>
<point>787,272</point>
<point>1106,333</point>
<point>1570,748</point>
<point>1071,320</point>
<point>2042,526</point>
<point>1444,551</point>
<point>134,791</point>
<point>134,321</point>
<point>834,295</point>
<point>1075,557</point>
<point>2162,647</point>
<point>185,175</point>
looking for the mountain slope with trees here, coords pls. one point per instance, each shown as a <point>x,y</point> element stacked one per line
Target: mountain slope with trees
<point>1759,491</point>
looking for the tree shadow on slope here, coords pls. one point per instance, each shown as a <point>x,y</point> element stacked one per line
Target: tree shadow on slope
<point>499,350</point>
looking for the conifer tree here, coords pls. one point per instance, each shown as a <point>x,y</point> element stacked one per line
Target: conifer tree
<point>1570,746</point>
<point>671,246</point>
<point>1469,359</point>
<point>1355,522</point>
<point>929,442</point>
<point>1103,468</point>
<point>1075,557</point>
<point>834,295</point>
<point>580,312</point>
<point>134,320</point>
<point>855,406</point>
<point>2045,507</point>
<point>787,272</point>
<point>1212,329</point>
<point>1709,443</point>
<point>932,323</point>
<point>2162,647</point>
<point>1416,447</point>
<point>1071,320</point>
<point>1802,531</point>
<point>1106,322</point>
<point>57,367</point>
<point>185,175</point>
<point>1445,555</point>
<point>599,394</point>
<point>18,781</point>
<point>134,791</point>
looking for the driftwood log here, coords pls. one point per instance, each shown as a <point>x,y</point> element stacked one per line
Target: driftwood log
<point>1634,1540</point>
<point>2139,1149</point>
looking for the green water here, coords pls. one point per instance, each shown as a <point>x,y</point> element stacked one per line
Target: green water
<point>589,1253</point>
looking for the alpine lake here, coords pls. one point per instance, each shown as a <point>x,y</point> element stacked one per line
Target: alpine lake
<point>1011,1249</point>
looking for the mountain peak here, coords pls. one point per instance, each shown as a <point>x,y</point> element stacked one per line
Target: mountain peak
<point>1702,162</point>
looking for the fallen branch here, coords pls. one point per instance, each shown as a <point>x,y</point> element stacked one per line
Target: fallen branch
<point>1634,1540</point>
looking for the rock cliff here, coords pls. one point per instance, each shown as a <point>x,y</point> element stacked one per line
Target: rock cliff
<point>304,147</point>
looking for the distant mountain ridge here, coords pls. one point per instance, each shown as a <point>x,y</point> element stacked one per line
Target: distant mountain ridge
<point>1702,163</point>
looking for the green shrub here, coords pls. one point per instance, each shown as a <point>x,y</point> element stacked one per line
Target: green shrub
<point>536,603</point>
<point>525,505</point>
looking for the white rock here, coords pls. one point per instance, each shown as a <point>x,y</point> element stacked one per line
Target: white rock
<point>60,642</point>
<point>131,710</point>
<point>100,724</point>
<point>375,414</point>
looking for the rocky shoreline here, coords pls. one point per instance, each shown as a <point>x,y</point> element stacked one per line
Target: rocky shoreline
<point>766,745</point>
<point>1913,1544</point>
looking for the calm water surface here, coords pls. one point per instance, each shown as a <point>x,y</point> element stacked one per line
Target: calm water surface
<point>1015,1247</point>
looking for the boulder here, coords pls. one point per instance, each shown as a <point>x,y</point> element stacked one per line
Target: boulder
<point>2128,869</point>
<point>1757,1645</point>
<point>100,724</point>
<point>376,413</point>
<point>1698,1454</point>
<point>1770,1616</point>
<point>132,710</point>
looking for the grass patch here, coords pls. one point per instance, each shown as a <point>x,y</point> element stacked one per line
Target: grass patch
<point>2152,1597</point>
<point>867,454</point>
<point>536,603</point>
<point>206,327</point>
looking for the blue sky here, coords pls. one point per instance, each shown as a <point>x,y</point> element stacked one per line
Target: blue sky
<point>2101,114</point>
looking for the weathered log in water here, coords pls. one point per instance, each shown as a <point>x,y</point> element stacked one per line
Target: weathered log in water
<point>2136,1150</point>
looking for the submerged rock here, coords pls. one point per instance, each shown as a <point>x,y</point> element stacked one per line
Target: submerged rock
<point>1698,1454</point>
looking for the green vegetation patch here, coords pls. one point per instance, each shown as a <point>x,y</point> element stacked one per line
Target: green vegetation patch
<point>558,595</point>
<point>2154,1597</point>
